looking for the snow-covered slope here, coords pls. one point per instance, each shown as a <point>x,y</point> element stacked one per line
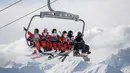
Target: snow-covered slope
<point>102,68</point>
<point>82,67</point>
<point>120,60</point>
<point>25,69</point>
<point>69,67</point>
<point>126,69</point>
<point>13,60</point>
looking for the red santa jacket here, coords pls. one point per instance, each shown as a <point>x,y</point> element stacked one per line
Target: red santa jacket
<point>32,35</point>
<point>46,38</point>
<point>63,39</point>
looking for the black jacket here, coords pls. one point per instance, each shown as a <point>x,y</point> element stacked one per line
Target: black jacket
<point>79,39</point>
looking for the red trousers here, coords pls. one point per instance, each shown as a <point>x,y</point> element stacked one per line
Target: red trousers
<point>55,45</point>
<point>37,44</point>
<point>49,45</point>
<point>66,47</point>
<point>69,46</point>
<point>46,45</point>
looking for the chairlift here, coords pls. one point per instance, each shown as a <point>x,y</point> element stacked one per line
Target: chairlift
<point>55,15</point>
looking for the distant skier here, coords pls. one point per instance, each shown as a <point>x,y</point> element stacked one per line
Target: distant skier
<point>45,40</point>
<point>80,44</point>
<point>55,40</point>
<point>36,39</point>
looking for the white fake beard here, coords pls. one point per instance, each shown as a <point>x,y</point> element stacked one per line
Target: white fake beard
<point>44,34</point>
<point>65,36</point>
<point>54,34</point>
<point>36,35</point>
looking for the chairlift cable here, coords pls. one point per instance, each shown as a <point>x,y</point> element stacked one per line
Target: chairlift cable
<point>24,16</point>
<point>10,6</point>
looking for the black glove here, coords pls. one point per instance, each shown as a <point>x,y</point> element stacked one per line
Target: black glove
<point>24,29</point>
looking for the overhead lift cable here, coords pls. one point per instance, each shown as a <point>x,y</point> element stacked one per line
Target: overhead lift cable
<point>25,15</point>
<point>10,6</point>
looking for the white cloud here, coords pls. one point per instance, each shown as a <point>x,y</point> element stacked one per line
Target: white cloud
<point>117,37</point>
<point>13,50</point>
<point>91,33</point>
<point>107,26</point>
<point>96,13</point>
<point>102,19</point>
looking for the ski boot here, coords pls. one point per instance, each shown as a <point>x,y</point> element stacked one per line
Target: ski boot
<point>39,51</point>
<point>51,56</point>
<point>61,52</point>
<point>89,52</point>
<point>76,53</point>
<point>34,52</point>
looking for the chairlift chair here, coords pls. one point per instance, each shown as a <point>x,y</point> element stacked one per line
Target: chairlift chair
<point>56,15</point>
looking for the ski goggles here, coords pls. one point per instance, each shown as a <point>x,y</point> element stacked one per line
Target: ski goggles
<point>54,31</point>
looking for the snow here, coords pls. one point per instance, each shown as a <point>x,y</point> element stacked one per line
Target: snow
<point>13,60</point>
<point>102,68</point>
<point>65,67</point>
<point>126,69</point>
<point>119,60</point>
<point>26,69</point>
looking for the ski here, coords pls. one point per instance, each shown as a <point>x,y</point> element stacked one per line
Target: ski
<point>38,56</point>
<point>65,56</point>
<point>60,57</point>
<point>60,54</point>
<point>52,57</point>
<point>44,53</point>
<point>84,56</point>
<point>86,59</point>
